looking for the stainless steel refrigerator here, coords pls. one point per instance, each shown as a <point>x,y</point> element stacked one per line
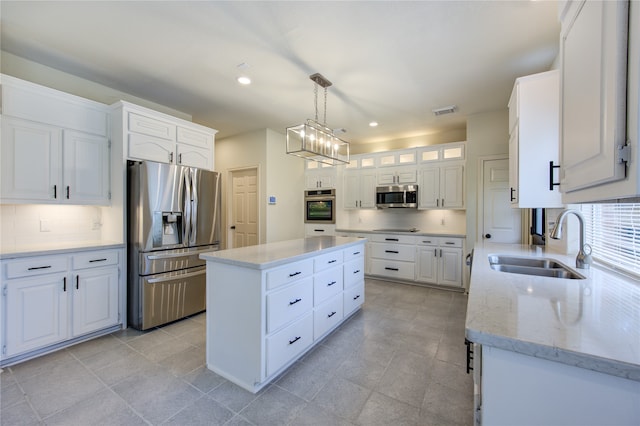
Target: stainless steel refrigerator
<point>173,216</point>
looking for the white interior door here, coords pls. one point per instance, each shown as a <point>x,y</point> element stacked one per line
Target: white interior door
<point>244,211</point>
<point>501,223</point>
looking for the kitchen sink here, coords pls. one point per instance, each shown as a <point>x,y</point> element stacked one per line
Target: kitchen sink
<point>541,267</point>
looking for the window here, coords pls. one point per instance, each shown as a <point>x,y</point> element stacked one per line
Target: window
<point>613,231</point>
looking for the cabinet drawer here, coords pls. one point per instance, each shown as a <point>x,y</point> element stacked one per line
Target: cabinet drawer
<point>427,241</point>
<point>151,127</point>
<point>328,260</point>
<point>353,272</point>
<point>353,298</point>
<point>286,344</point>
<point>35,266</point>
<point>327,284</point>
<point>393,269</point>
<point>289,273</point>
<point>450,242</point>
<point>392,238</point>
<point>287,304</point>
<point>195,138</point>
<point>353,252</point>
<point>327,316</point>
<point>393,251</point>
<point>94,259</point>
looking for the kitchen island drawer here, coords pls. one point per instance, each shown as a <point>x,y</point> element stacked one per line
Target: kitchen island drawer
<point>35,266</point>
<point>353,272</point>
<point>327,284</point>
<point>287,304</point>
<point>328,260</point>
<point>95,259</point>
<point>289,273</point>
<point>353,298</point>
<point>327,316</point>
<point>393,269</point>
<point>353,252</point>
<point>286,344</point>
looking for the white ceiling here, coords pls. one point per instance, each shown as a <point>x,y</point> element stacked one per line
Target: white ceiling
<point>389,61</point>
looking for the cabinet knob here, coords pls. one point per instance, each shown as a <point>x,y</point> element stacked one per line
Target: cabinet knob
<point>487,236</point>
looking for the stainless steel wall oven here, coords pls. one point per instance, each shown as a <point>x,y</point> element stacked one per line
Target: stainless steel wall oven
<point>320,206</point>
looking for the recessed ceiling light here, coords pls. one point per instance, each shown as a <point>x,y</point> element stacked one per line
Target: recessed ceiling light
<point>373,124</point>
<point>244,80</point>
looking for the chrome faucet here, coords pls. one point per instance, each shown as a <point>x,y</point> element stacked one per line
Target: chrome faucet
<point>583,260</point>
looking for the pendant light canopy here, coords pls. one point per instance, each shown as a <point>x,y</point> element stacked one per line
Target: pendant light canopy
<point>315,141</point>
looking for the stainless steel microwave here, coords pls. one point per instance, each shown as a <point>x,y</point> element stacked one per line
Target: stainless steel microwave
<point>320,206</point>
<point>397,197</point>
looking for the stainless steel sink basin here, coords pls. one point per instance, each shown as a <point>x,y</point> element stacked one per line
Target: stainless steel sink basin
<point>541,267</point>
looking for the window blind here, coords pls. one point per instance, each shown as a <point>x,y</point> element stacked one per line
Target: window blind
<point>613,232</point>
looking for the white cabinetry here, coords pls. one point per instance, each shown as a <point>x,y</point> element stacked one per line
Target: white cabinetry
<point>397,175</point>
<point>55,146</point>
<point>533,142</point>
<point>151,135</point>
<point>439,260</point>
<point>392,256</point>
<point>600,61</point>
<point>317,230</point>
<point>259,321</point>
<point>50,301</point>
<point>319,175</point>
<point>441,176</point>
<point>397,158</point>
<point>360,189</point>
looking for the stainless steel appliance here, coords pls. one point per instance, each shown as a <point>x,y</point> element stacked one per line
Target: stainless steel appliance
<point>173,216</point>
<point>320,206</point>
<point>397,196</point>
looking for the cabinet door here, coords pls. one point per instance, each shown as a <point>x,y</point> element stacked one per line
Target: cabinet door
<point>451,186</point>
<point>37,312</point>
<point>31,161</point>
<point>429,187</point>
<point>351,190</point>
<point>86,168</point>
<point>143,147</point>
<point>513,166</point>
<point>593,89</point>
<point>387,177</point>
<point>367,190</point>
<point>408,175</point>
<point>95,299</point>
<point>450,267</point>
<point>427,264</point>
<point>192,156</point>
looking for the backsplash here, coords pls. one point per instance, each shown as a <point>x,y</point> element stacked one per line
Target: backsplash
<point>42,224</point>
<point>434,221</point>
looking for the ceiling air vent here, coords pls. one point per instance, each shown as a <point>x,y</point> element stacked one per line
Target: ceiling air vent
<point>445,110</point>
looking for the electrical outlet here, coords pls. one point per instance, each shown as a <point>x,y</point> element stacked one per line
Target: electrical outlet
<point>45,225</point>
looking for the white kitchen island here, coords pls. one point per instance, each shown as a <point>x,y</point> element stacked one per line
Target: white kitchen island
<point>269,304</point>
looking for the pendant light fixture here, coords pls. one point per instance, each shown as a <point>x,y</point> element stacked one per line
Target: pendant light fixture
<point>315,141</point>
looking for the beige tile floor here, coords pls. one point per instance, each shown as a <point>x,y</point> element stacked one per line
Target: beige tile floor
<point>399,361</point>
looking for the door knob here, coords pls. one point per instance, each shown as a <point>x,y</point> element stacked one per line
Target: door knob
<point>487,236</point>
<point>233,227</point>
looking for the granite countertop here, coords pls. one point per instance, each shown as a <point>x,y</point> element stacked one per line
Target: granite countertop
<point>42,249</point>
<point>409,231</point>
<point>592,323</point>
<point>269,255</point>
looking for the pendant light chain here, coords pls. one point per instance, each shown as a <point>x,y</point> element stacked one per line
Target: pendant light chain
<point>325,106</point>
<point>315,94</point>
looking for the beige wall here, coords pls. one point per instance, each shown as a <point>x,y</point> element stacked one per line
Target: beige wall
<point>453,135</point>
<point>487,134</point>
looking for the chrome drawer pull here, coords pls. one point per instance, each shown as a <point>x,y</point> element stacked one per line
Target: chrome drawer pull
<point>357,296</point>
<point>331,314</point>
<point>98,260</point>
<point>33,268</point>
<point>294,302</point>
<point>291,342</point>
<point>294,274</point>
<point>331,283</point>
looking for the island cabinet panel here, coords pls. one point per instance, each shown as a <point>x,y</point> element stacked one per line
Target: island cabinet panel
<point>261,319</point>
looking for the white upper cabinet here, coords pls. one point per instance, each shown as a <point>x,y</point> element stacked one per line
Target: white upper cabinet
<point>599,100</point>
<point>441,176</point>
<point>454,151</point>
<point>397,158</point>
<point>533,141</point>
<point>55,146</point>
<point>359,189</point>
<point>154,136</point>
<point>319,175</point>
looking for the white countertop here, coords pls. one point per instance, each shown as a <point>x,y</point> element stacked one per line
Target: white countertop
<point>268,255</point>
<point>592,323</point>
<point>399,231</point>
<point>39,249</point>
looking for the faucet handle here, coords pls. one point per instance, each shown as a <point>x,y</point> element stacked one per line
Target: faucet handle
<point>583,260</point>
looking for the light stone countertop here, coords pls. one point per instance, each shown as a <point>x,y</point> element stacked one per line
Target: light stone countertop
<point>40,249</point>
<point>269,255</point>
<point>398,231</point>
<point>592,323</point>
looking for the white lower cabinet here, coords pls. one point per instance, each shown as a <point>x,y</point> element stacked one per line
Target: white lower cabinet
<point>393,256</point>
<point>439,261</point>
<point>50,300</point>
<point>261,321</point>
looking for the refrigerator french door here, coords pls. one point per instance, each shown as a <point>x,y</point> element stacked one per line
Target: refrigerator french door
<point>173,217</point>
